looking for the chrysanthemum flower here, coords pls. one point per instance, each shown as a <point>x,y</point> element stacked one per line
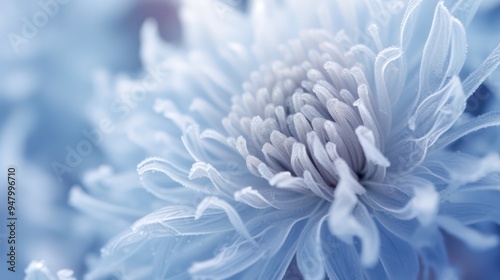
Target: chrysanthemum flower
<point>312,132</point>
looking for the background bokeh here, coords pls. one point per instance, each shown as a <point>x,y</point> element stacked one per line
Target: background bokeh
<point>47,97</point>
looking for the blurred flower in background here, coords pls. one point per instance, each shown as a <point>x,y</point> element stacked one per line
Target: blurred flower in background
<point>46,88</point>
<point>275,139</point>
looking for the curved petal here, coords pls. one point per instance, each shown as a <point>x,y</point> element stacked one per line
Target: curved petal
<point>232,214</point>
<point>175,171</point>
<point>151,239</point>
<point>438,112</point>
<point>309,254</point>
<point>488,119</point>
<point>341,260</point>
<point>470,213</point>
<point>476,78</point>
<point>205,170</point>
<point>178,221</point>
<point>444,52</point>
<point>423,205</point>
<point>252,197</point>
<point>470,236</point>
<point>270,231</point>
<point>399,258</point>
<point>276,266</point>
<point>402,229</point>
<point>348,217</point>
<point>432,252</point>
<point>372,153</point>
<point>465,10</point>
<point>386,98</point>
<point>433,117</point>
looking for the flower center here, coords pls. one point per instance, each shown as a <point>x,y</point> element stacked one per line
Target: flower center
<point>298,116</point>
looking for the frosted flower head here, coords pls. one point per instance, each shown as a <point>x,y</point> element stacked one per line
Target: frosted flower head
<point>301,134</point>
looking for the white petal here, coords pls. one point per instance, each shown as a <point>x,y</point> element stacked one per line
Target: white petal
<point>439,64</point>
<point>476,78</point>
<point>423,205</point>
<point>309,254</point>
<point>465,10</point>
<point>488,119</point>
<point>232,214</point>
<point>349,218</point>
<point>372,153</point>
<point>252,197</point>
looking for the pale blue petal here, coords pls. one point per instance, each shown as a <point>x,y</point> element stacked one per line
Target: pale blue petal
<point>438,112</point>
<point>309,254</point>
<point>432,251</point>
<point>402,229</point>
<point>232,214</point>
<point>439,63</point>
<point>476,78</point>
<point>349,218</point>
<point>423,205</point>
<point>399,259</point>
<point>342,261</point>
<point>415,27</point>
<point>465,10</point>
<point>488,119</point>
<point>269,232</point>
<point>470,213</point>
<point>253,198</point>
<point>178,173</point>
<point>468,235</point>
<point>376,160</point>
<point>275,267</point>
<point>388,87</point>
<point>433,117</point>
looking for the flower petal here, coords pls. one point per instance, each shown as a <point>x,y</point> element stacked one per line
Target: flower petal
<point>348,217</point>
<point>176,172</point>
<point>388,94</point>
<point>341,260</point>
<point>471,237</point>
<point>465,10</point>
<point>444,52</point>
<point>438,112</point>
<point>180,221</point>
<point>423,205</point>
<point>476,78</point>
<point>433,117</point>
<point>252,197</point>
<point>372,153</point>
<point>232,214</point>
<point>276,266</point>
<point>269,230</point>
<point>309,254</point>
<point>488,119</point>
<point>469,213</point>
<point>399,259</point>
